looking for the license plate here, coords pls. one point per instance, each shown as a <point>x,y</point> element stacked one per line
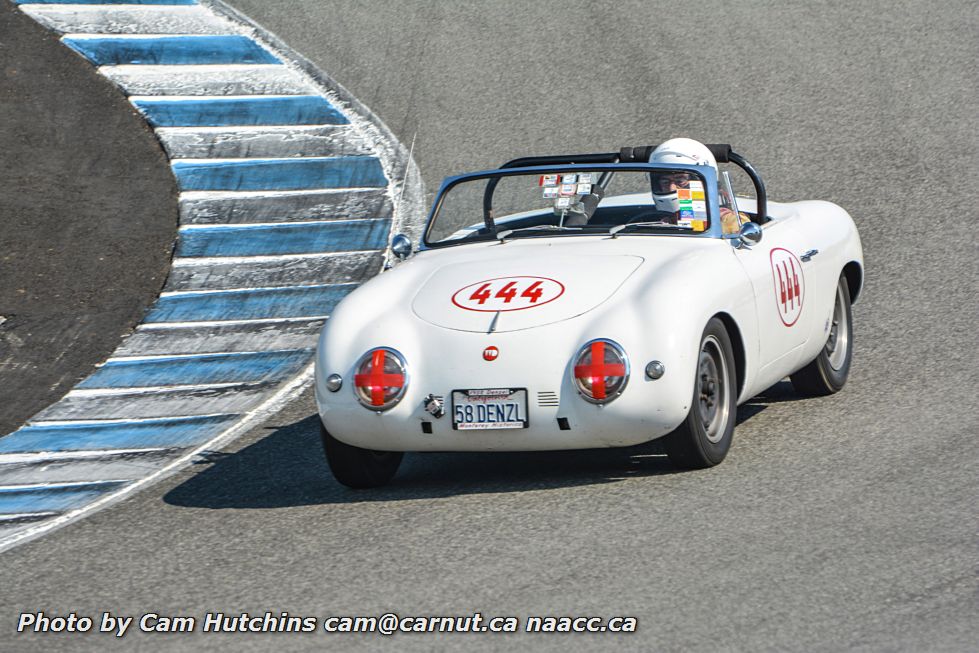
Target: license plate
<point>493,408</point>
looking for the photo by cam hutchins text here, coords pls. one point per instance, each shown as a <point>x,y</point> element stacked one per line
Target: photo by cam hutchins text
<point>152,622</point>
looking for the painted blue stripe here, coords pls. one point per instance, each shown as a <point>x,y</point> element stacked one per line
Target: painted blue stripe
<point>110,50</point>
<point>248,304</point>
<point>53,498</point>
<point>281,174</point>
<point>293,110</point>
<point>175,432</point>
<point>105,2</point>
<point>267,366</point>
<point>353,236</point>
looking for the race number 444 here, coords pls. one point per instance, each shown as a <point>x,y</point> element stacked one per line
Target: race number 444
<point>508,294</point>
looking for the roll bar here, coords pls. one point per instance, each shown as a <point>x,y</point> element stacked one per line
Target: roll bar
<point>722,153</point>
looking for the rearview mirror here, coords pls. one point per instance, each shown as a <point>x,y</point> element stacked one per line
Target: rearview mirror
<point>750,234</point>
<point>401,246</point>
<point>750,231</point>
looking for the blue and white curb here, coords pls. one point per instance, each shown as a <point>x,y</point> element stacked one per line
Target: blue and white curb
<point>290,191</point>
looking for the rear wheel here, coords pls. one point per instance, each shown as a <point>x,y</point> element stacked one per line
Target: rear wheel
<point>705,436</point>
<point>828,372</point>
<point>359,468</point>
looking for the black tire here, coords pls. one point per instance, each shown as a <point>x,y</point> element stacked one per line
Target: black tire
<point>704,438</point>
<point>359,468</point>
<point>827,373</point>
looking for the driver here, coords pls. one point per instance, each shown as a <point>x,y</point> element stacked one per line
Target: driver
<point>665,186</point>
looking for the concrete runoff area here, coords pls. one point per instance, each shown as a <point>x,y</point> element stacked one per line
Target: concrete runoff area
<point>838,523</point>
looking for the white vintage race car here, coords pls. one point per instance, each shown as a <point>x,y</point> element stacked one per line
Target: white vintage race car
<point>599,300</point>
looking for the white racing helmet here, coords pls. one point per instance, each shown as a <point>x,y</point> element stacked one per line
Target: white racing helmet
<point>676,150</point>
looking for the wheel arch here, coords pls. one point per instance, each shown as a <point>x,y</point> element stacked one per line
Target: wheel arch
<point>737,344</point>
<point>854,279</point>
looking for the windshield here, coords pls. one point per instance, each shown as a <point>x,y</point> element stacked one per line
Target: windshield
<point>570,202</point>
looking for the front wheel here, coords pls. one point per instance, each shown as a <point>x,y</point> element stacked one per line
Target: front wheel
<point>705,436</point>
<point>828,372</point>
<point>359,468</point>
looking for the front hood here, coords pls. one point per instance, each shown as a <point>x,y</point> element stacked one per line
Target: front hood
<point>517,291</point>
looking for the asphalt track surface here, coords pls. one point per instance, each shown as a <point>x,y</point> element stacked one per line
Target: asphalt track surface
<point>88,217</point>
<point>846,522</point>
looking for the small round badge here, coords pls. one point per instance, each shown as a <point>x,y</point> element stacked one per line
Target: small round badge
<point>490,353</point>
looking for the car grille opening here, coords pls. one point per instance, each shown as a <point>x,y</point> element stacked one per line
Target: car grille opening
<point>547,399</point>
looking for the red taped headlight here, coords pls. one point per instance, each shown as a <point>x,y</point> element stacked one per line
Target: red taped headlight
<point>380,378</point>
<point>601,371</point>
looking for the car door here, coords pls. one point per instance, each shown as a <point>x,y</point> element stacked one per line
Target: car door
<point>781,285</point>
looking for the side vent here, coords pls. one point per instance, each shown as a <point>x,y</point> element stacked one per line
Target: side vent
<point>547,400</point>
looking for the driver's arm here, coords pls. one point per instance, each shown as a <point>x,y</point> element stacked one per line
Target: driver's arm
<point>731,224</point>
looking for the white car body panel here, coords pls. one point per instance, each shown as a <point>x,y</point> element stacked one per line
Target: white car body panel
<point>655,300</point>
<point>584,289</point>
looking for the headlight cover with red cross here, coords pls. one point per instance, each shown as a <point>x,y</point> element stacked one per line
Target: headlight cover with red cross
<point>380,378</point>
<point>601,371</point>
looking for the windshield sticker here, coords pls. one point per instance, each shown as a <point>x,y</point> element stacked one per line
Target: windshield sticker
<point>569,179</point>
<point>563,203</point>
<point>507,294</point>
<point>698,225</point>
<point>683,194</point>
<point>697,195</point>
<point>696,184</point>
<point>567,190</point>
<point>550,192</point>
<point>584,189</point>
<point>585,178</point>
<point>548,180</point>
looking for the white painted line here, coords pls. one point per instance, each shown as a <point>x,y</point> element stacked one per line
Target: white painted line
<point>268,160</point>
<point>212,260</point>
<point>290,130</point>
<point>150,69</point>
<point>127,18</point>
<point>271,321</point>
<point>150,389</point>
<point>198,293</point>
<point>262,141</point>
<point>207,79</point>
<point>236,401</point>
<point>191,195</point>
<point>27,487</point>
<point>80,454</point>
<point>259,320</point>
<point>89,36</point>
<point>19,516</point>
<point>122,420</point>
<point>198,98</point>
<point>154,357</point>
<point>225,226</point>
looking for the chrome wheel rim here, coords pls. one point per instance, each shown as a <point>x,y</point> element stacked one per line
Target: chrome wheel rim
<point>712,390</point>
<point>839,333</point>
